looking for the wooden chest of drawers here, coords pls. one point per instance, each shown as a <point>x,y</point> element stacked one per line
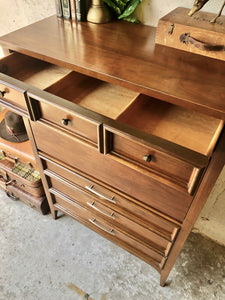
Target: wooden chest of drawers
<point>127,143</point>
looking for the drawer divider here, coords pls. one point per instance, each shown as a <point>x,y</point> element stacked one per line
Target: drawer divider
<point>33,108</point>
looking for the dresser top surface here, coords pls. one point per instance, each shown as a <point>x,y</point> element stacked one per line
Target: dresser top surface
<point>126,54</point>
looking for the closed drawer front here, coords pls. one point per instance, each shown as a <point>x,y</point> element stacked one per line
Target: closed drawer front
<point>80,125</point>
<point>154,240</point>
<point>110,231</point>
<point>113,200</point>
<point>167,168</point>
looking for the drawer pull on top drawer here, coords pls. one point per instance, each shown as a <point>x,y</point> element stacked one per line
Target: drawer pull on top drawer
<point>65,121</point>
<point>147,158</point>
<point>110,231</point>
<point>110,215</point>
<point>99,195</point>
<point>2,93</point>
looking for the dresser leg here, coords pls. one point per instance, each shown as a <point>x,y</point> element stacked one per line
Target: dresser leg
<point>54,214</point>
<point>163,280</point>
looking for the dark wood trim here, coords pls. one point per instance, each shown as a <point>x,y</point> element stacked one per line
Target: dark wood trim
<point>33,108</point>
<point>192,157</point>
<point>39,165</point>
<point>213,171</point>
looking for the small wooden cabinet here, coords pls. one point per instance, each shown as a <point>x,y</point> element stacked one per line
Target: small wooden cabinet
<point>129,138</point>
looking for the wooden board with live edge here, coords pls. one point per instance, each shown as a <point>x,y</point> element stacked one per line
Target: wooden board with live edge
<point>194,34</point>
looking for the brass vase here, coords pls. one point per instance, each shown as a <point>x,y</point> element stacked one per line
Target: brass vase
<point>98,13</point>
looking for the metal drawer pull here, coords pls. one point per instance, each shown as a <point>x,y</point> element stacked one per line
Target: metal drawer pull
<point>147,158</point>
<point>102,228</point>
<point>2,93</point>
<point>102,212</point>
<point>99,195</point>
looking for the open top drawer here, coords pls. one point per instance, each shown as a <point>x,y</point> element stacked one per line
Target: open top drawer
<point>91,95</point>
<point>18,71</point>
<point>165,141</point>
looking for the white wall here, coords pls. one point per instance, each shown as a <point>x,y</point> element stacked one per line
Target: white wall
<point>19,13</point>
<point>211,221</point>
<point>149,11</point>
<point>15,14</point>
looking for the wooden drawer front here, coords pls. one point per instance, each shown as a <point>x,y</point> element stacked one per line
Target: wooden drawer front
<point>169,169</point>
<point>12,96</point>
<point>82,127</point>
<point>108,230</point>
<point>79,155</point>
<point>120,203</point>
<point>90,202</point>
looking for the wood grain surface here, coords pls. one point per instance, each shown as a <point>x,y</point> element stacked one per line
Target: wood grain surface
<point>125,54</point>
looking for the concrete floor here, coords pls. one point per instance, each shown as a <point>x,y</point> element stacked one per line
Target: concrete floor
<point>41,258</point>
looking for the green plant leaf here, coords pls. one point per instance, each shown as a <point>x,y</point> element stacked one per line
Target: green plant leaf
<point>129,9</point>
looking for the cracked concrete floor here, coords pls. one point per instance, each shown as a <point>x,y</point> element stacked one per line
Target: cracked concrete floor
<point>41,258</point>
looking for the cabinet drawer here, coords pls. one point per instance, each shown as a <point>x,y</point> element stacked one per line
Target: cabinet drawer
<point>119,219</point>
<point>18,71</point>
<point>168,141</point>
<point>108,230</point>
<point>11,95</point>
<point>12,91</point>
<point>120,203</point>
<point>173,171</point>
<point>81,126</point>
<point>85,96</point>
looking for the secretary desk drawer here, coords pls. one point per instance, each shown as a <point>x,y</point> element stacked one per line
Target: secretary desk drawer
<point>111,198</point>
<point>141,156</point>
<point>112,232</point>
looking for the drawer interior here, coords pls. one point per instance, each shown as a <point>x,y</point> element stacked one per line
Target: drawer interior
<point>31,71</point>
<point>102,97</point>
<point>179,125</point>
